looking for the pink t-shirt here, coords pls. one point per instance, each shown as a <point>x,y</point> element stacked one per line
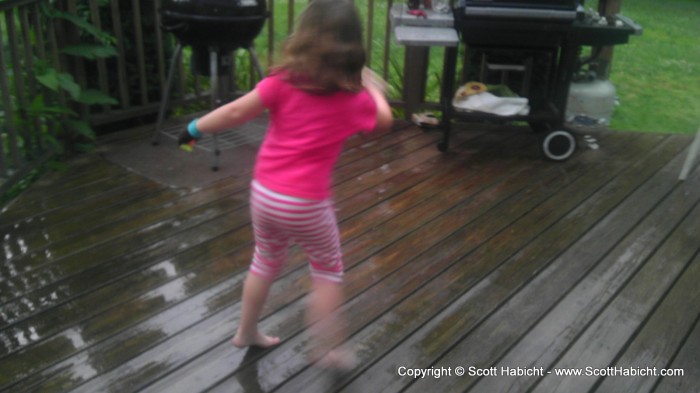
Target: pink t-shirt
<point>306,136</point>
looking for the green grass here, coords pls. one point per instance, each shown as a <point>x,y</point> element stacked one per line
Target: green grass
<point>657,75</point>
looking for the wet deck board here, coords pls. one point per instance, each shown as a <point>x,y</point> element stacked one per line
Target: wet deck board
<point>483,256</point>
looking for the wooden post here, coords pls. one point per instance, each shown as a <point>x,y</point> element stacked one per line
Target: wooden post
<point>607,8</point>
<point>414,77</point>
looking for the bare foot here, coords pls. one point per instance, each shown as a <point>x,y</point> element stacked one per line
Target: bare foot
<point>338,359</point>
<point>259,340</point>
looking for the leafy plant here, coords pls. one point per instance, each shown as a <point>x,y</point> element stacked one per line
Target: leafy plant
<point>71,126</point>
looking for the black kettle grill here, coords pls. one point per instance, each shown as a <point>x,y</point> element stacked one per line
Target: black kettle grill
<point>228,24</point>
<point>213,28</point>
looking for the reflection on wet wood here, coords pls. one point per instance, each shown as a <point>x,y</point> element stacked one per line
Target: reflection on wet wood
<point>483,256</point>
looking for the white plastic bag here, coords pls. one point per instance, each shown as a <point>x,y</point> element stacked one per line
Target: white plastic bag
<point>489,103</point>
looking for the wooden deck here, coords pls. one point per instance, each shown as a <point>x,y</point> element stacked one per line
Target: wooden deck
<point>486,257</point>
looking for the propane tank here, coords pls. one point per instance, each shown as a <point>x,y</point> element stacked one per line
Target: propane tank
<point>590,103</point>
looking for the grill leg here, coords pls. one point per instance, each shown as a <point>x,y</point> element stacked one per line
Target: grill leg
<point>447,91</point>
<point>217,153</point>
<point>254,60</point>
<point>215,100</point>
<point>166,94</point>
<point>214,77</point>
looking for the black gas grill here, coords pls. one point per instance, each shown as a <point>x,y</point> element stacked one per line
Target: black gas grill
<point>550,11</point>
<point>540,38</point>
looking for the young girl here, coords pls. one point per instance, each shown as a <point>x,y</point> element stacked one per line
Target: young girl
<point>318,97</point>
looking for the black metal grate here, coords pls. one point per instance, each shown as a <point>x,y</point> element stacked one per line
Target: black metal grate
<point>250,134</point>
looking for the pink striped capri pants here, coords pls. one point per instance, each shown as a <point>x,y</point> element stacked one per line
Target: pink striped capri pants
<point>279,220</point>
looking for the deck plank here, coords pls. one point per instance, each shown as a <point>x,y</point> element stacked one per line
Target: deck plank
<point>599,344</point>
<point>342,226</point>
<point>488,341</point>
<point>687,360</point>
<point>284,295</point>
<point>120,202</point>
<point>383,341</point>
<point>86,182</point>
<point>356,285</point>
<point>107,299</point>
<point>363,312</point>
<point>456,258</point>
<point>518,228</point>
<point>543,343</point>
<point>79,238</point>
<point>143,245</point>
<point>121,265</point>
<point>117,269</point>
<point>669,321</point>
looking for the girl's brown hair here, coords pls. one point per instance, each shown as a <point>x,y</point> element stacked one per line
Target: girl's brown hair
<point>325,51</point>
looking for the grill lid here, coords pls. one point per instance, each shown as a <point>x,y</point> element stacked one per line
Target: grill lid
<point>227,24</point>
<point>215,9</point>
<point>520,13</point>
<point>524,4</point>
<point>548,10</point>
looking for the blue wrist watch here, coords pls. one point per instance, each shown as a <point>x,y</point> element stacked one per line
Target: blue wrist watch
<point>193,131</point>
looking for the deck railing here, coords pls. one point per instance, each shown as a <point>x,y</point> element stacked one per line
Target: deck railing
<point>136,76</point>
<point>25,38</point>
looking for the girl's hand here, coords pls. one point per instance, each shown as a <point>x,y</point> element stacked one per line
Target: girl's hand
<point>189,137</point>
<point>371,80</point>
<point>376,87</point>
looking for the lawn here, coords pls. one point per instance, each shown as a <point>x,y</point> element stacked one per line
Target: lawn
<point>657,75</point>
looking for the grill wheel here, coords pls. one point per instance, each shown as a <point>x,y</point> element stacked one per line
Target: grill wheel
<point>558,145</point>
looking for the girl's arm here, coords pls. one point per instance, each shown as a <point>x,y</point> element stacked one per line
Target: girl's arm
<point>227,116</point>
<point>232,114</point>
<point>376,88</point>
<point>384,117</point>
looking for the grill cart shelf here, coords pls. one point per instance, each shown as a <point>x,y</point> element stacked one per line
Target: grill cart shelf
<point>541,43</point>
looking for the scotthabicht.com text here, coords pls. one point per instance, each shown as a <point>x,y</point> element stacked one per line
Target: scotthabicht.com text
<point>505,371</point>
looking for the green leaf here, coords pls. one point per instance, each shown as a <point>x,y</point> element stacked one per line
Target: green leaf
<point>86,26</point>
<point>68,84</point>
<point>96,97</point>
<point>38,107</point>
<point>51,11</point>
<point>54,79</point>
<point>81,128</point>
<point>53,142</point>
<point>90,51</point>
<point>49,79</point>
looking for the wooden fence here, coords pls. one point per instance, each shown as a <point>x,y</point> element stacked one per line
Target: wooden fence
<point>21,138</point>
